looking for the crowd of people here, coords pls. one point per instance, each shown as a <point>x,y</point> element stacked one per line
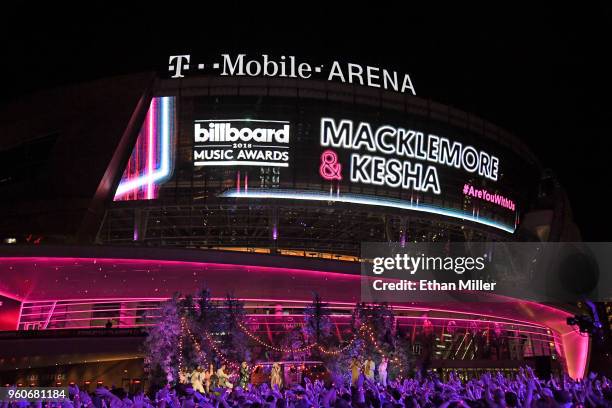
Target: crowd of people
<point>203,380</point>
<point>491,390</point>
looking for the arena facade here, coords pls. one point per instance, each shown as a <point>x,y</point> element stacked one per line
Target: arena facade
<point>120,192</point>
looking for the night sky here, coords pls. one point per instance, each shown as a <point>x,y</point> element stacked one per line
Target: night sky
<point>539,71</point>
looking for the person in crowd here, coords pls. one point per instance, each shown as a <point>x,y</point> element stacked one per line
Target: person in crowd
<point>223,378</point>
<point>368,369</point>
<point>183,376</point>
<point>382,371</point>
<point>208,377</point>
<point>355,367</point>
<point>245,374</point>
<point>197,378</point>
<point>491,390</point>
<point>276,376</point>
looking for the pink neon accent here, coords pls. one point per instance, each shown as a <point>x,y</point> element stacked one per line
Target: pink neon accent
<point>96,327</point>
<point>150,162</point>
<point>482,194</point>
<point>576,353</point>
<point>19,317</point>
<point>330,168</point>
<point>150,149</point>
<point>349,305</point>
<point>63,312</point>
<point>34,303</point>
<point>35,280</point>
<point>10,295</point>
<point>332,304</point>
<point>504,321</point>
<point>79,319</point>
<point>304,303</point>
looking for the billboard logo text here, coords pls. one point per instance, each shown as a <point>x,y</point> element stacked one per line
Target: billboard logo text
<point>241,142</point>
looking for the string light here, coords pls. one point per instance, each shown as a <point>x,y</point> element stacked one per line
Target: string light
<point>275,348</point>
<point>181,340</point>
<point>211,343</point>
<point>197,346</point>
<point>377,347</point>
<point>364,331</point>
<point>342,349</point>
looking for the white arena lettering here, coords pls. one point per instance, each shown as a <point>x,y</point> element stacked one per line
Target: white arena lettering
<point>355,75</point>
<point>291,67</point>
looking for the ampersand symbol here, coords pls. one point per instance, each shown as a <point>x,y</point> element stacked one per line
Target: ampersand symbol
<point>330,169</point>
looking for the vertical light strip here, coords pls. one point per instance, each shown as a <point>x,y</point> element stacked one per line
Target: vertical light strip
<point>50,314</point>
<point>150,147</point>
<point>20,315</point>
<point>156,134</point>
<point>165,129</point>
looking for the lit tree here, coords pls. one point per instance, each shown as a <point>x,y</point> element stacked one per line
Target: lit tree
<point>162,344</point>
<point>339,364</point>
<point>192,357</point>
<point>377,317</point>
<point>294,339</point>
<point>209,322</point>
<point>401,358</point>
<point>380,320</point>
<point>208,314</point>
<point>233,341</point>
<point>317,323</point>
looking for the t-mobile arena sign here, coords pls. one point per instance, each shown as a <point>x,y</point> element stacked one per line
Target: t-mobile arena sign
<point>243,65</point>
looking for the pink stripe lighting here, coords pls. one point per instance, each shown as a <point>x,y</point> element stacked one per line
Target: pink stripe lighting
<point>11,295</point>
<point>61,312</point>
<point>416,308</point>
<point>268,316</point>
<point>348,305</point>
<point>305,302</point>
<point>150,148</point>
<point>19,316</point>
<point>575,347</point>
<point>82,327</point>
<point>34,303</point>
<point>82,319</point>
